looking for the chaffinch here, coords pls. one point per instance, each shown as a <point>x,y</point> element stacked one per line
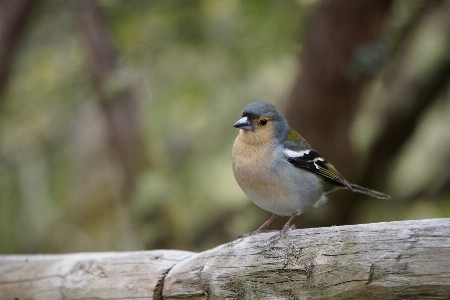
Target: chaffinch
<point>278,170</point>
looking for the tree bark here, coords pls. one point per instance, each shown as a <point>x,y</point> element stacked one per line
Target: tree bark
<point>395,260</point>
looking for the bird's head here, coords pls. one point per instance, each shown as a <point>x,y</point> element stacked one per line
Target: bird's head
<point>261,122</point>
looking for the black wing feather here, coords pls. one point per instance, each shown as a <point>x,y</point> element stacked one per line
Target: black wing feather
<point>313,162</point>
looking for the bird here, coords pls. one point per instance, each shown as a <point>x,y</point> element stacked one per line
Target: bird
<point>279,171</point>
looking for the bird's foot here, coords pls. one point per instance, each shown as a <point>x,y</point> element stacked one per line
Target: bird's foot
<point>274,239</point>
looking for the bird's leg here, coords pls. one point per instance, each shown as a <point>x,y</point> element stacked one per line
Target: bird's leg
<point>282,232</point>
<point>261,229</point>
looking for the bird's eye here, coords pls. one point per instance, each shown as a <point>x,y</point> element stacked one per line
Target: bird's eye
<point>263,122</point>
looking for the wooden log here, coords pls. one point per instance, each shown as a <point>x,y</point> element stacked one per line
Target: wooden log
<point>394,260</point>
<point>112,275</point>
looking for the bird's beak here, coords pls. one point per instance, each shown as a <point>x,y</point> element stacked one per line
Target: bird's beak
<point>244,123</point>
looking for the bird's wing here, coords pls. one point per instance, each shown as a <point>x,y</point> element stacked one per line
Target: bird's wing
<point>311,160</point>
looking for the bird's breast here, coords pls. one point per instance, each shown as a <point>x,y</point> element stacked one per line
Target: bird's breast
<point>271,182</point>
<point>256,173</point>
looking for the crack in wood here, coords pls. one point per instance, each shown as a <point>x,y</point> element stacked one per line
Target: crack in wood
<point>157,292</point>
<point>371,273</point>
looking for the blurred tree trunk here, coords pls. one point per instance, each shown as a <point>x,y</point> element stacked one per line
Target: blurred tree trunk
<point>116,96</point>
<point>411,82</point>
<point>14,17</point>
<point>342,50</point>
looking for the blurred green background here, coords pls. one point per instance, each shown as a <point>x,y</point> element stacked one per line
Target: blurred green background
<point>191,67</point>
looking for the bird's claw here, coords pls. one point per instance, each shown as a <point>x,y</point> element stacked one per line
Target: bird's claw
<point>275,238</point>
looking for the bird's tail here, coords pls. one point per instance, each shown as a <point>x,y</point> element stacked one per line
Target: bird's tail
<point>372,193</point>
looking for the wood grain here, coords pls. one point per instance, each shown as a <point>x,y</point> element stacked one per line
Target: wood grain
<point>112,275</point>
<point>395,260</point>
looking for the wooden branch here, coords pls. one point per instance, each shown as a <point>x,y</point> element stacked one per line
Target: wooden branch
<point>396,260</point>
<point>87,275</point>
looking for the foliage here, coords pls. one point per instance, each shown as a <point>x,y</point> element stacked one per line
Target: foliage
<point>193,66</point>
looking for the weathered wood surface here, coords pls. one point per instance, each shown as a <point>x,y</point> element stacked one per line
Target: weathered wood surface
<point>395,260</point>
<point>127,275</point>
